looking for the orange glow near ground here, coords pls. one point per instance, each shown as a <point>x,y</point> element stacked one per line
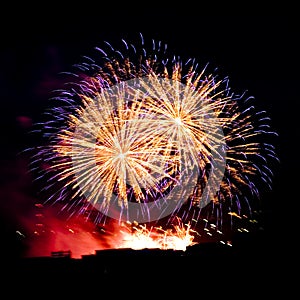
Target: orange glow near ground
<point>137,236</point>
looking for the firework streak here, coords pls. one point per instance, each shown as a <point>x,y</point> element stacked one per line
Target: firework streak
<point>140,136</point>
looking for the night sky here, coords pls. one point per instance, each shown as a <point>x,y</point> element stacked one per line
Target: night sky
<point>256,51</point>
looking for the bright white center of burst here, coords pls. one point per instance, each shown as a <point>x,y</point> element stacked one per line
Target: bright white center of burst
<point>121,155</point>
<point>178,121</point>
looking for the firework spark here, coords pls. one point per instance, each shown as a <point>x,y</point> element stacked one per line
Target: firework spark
<point>141,137</point>
<point>136,236</point>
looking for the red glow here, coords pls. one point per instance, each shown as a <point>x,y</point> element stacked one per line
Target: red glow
<point>83,237</point>
<point>56,234</point>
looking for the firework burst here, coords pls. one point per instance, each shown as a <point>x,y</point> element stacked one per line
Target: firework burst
<point>141,137</point>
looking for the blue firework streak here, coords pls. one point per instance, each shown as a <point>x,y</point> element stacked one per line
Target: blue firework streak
<point>133,121</point>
